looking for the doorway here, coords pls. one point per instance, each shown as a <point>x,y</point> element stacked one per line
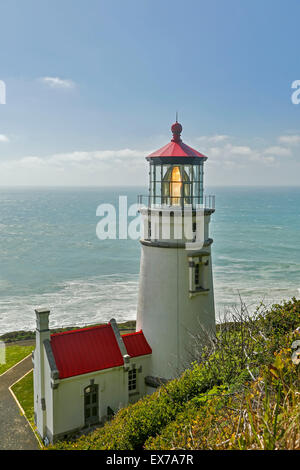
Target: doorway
<point>91,405</point>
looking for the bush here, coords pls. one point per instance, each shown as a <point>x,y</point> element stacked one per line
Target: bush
<point>264,417</point>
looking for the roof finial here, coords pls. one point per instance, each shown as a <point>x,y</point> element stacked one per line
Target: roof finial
<point>176,116</point>
<point>176,129</point>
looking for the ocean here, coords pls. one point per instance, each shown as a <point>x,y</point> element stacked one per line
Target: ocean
<point>50,254</point>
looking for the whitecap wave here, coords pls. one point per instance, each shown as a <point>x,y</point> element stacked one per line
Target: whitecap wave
<point>74,303</point>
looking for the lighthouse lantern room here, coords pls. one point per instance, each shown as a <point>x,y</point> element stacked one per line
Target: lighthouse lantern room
<point>176,300</point>
<point>176,173</point>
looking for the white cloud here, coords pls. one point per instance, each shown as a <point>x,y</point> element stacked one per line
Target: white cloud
<point>226,153</point>
<point>289,139</point>
<point>238,149</point>
<point>99,167</point>
<point>278,151</point>
<point>213,139</point>
<point>228,161</point>
<point>56,82</point>
<point>100,160</point>
<point>111,157</point>
<point>4,138</point>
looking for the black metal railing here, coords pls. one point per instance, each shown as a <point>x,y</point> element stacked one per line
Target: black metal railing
<point>194,202</point>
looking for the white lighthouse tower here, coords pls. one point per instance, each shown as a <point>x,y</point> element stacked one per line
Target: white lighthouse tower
<point>176,298</point>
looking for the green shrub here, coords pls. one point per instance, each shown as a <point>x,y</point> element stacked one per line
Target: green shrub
<point>264,416</point>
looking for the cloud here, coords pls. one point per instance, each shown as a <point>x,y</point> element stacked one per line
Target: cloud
<point>115,159</point>
<point>213,139</point>
<point>229,161</point>
<point>99,167</point>
<point>238,149</point>
<point>4,138</point>
<point>111,157</point>
<point>56,82</point>
<point>225,153</point>
<point>278,151</point>
<point>289,139</point>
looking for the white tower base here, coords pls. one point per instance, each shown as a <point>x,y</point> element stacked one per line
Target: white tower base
<point>176,301</point>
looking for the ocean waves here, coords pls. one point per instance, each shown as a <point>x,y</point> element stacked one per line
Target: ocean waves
<point>50,255</point>
<point>74,303</point>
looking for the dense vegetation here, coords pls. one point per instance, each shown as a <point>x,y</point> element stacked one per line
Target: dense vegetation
<point>241,393</point>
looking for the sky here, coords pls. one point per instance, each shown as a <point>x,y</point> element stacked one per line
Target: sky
<point>93,86</point>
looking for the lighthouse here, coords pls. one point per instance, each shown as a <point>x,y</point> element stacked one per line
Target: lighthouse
<point>176,297</point>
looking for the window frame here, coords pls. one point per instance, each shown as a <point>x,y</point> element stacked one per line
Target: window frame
<point>91,403</point>
<point>132,380</point>
<point>160,181</point>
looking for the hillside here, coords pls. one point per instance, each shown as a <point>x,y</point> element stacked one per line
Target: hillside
<point>241,393</point>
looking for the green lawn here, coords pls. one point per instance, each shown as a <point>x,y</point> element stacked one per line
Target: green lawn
<point>24,393</point>
<point>14,354</point>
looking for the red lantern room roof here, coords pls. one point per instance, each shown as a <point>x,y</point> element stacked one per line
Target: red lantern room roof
<point>176,148</point>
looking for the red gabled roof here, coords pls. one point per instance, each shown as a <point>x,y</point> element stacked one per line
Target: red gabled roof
<point>136,344</point>
<point>87,350</point>
<point>176,148</point>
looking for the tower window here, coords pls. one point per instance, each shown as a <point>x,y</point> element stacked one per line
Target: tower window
<point>149,229</point>
<point>132,380</point>
<point>197,275</point>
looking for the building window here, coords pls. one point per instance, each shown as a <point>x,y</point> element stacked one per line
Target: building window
<point>197,275</point>
<point>132,380</point>
<point>91,404</point>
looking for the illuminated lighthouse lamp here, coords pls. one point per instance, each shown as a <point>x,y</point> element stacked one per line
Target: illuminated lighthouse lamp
<point>176,174</point>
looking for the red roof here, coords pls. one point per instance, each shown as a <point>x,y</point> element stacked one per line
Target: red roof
<point>136,344</point>
<point>87,350</point>
<point>176,148</point>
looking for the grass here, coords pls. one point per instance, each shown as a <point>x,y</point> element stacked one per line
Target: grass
<point>24,393</point>
<point>13,355</point>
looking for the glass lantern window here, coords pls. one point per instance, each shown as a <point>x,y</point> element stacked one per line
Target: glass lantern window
<point>176,184</point>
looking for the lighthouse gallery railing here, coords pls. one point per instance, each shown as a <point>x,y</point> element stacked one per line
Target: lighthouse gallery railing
<point>195,202</point>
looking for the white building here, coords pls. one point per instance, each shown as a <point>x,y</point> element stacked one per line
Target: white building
<point>82,377</point>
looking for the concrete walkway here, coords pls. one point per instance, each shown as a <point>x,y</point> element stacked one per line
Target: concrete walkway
<point>15,432</point>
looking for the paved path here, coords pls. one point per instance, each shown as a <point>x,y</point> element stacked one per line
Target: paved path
<point>15,432</point>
